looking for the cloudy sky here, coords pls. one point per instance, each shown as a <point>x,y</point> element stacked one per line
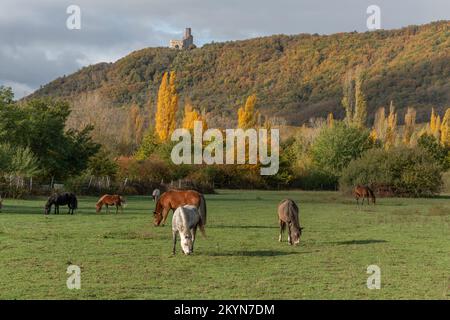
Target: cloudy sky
<point>36,46</point>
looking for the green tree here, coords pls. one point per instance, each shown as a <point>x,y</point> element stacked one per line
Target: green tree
<point>6,96</point>
<point>438,152</point>
<point>400,170</point>
<point>335,147</point>
<point>39,125</point>
<point>102,165</point>
<point>148,146</point>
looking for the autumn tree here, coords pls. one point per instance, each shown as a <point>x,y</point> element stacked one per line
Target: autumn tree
<point>410,126</point>
<point>391,127</point>
<point>167,106</point>
<point>360,115</point>
<point>348,97</point>
<point>191,115</point>
<point>379,125</point>
<point>133,131</point>
<point>330,120</point>
<point>445,129</point>
<point>435,124</point>
<point>354,100</point>
<point>247,115</point>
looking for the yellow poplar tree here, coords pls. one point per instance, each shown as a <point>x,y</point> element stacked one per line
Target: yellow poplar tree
<point>380,124</point>
<point>435,123</point>
<point>166,107</point>
<point>410,124</point>
<point>330,120</point>
<point>360,115</point>
<point>190,116</point>
<point>391,128</point>
<point>445,129</point>
<point>247,116</point>
<point>348,97</point>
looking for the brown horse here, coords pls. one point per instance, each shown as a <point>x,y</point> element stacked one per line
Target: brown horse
<point>288,214</point>
<point>172,199</point>
<point>110,200</point>
<point>364,192</point>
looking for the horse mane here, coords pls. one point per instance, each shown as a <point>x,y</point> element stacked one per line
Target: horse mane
<point>158,204</point>
<point>100,201</point>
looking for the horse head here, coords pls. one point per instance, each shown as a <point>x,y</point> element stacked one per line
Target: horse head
<point>157,218</point>
<point>295,234</point>
<point>187,244</point>
<point>48,205</point>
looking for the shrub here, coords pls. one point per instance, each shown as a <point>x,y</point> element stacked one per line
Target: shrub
<point>335,147</point>
<point>398,171</point>
<point>439,152</point>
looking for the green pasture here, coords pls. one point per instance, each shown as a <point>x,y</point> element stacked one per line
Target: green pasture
<point>125,257</point>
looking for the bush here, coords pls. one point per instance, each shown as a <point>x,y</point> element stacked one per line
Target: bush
<point>439,152</point>
<point>314,179</point>
<point>399,171</point>
<point>335,147</point>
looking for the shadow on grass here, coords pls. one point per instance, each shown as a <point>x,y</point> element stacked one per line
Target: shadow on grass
<point>243,227</point>
<point>368,241</point>
<point>253,253</point>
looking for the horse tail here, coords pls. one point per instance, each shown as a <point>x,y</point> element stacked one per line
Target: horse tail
<point>372,194</point>
<point>74,202</point>
<point>202,211</point>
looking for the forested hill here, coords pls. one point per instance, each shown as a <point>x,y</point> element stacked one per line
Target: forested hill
<point>295,77</point>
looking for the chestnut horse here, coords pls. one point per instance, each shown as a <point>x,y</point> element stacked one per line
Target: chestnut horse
<point>110,200</point>
<point>364,192</point>
<point>172,199</point>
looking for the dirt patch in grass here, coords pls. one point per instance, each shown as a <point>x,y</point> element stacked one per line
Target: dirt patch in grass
<point>439,210</point>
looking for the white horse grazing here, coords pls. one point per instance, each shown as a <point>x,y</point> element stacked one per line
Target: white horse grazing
<point>185,221</point>
<point>156,194</point>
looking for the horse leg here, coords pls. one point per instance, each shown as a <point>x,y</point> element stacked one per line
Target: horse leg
<point>194,233</point>
<point>117,208</point>
<point>282,226</point>
<point>107,208</point>
<point>165,215</point>
<point>174,238</point>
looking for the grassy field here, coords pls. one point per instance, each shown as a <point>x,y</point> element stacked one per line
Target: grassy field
<point>125,257</point>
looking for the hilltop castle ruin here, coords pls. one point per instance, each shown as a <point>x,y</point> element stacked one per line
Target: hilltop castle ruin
<point>185,43</point>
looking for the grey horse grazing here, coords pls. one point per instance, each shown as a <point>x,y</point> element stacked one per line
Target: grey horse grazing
<point>288,215</point>
<point>185,221</point>
<point>156,194</point>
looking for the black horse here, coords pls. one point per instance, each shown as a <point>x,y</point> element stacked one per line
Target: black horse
<point>57,200</point>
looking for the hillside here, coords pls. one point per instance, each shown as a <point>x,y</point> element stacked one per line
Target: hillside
<point>295,77</point>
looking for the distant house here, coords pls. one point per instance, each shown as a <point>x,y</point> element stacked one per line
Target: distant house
<point>185,43</point>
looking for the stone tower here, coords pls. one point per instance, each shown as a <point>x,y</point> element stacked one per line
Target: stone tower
<point>185,43</point>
